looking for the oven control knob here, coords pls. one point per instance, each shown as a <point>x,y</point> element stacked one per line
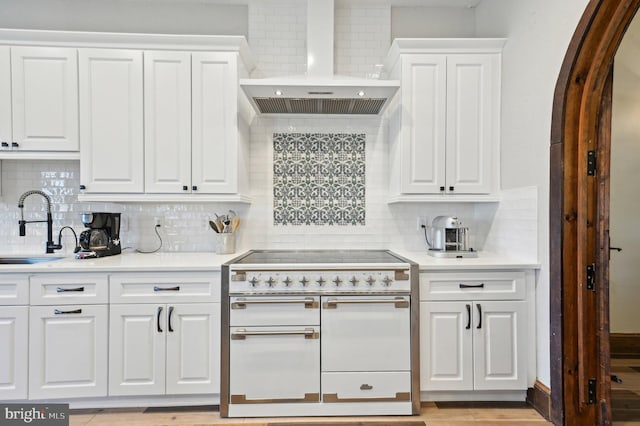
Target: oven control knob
<point>271,282</point>
<point>304,281</point>
<point>387,281</point>
<point>337,281</point>
<point>287,281</point>
<point>320,281</point>
<point>254,281</point>
<point>370,280</point>
<point>354,281</point>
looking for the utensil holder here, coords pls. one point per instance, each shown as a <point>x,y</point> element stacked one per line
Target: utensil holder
<point>226,243</point>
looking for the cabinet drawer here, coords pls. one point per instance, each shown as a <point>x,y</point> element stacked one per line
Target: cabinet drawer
<point>503,285</point>
<point>366,386</point>
<point>74,289</point>
<point>14,290</point>
<point>165,288</point>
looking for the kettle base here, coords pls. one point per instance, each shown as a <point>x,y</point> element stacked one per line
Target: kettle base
<point>452,254</point>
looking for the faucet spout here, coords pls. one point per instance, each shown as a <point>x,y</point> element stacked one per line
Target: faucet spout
<point>50,245</point>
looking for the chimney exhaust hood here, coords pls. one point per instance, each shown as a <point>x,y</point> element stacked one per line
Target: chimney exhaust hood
<point>320,91</point>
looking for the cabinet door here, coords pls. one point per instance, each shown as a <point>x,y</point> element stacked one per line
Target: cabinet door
<point>473,91</point>
<point>111,123</point>
<point>423,123</point>
<point>14,332</point>
<point>446,346</point>
<point>68,351</point>
<point>167,122</point>
<point>215,100</point>
<point>137,349</point>
<point>500,344</point>
<point>193,348</point>
<point>6,131</point>
<point>45,98</point>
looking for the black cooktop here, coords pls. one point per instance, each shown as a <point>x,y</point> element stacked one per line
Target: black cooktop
<point>319,256</point>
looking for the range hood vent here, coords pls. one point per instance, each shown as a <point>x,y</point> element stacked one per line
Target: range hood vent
<point>320,91</point>
<point>319,106</point>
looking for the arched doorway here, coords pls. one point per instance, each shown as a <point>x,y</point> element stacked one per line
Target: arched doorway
<point>579,217</point>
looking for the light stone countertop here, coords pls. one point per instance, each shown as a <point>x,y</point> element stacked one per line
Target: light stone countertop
<point>199,261</point>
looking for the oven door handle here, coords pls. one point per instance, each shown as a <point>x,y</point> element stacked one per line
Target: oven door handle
<point>242,334</point>
<point>399,302</point>
<point>309,303</point>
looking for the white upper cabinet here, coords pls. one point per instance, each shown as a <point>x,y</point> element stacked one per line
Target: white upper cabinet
<point>444,124</point>
<point>111,126</point>
<point>215,122</point>
<point>6,132</point>
<point>192,135</point>
<point>167,121</point>
<point>39,106</point>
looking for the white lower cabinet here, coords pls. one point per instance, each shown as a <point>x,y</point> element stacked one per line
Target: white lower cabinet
<point>164,348</point>
<point>164,334</point>
<point>68,351</point>
<point>14,332</point>
<point>472,343</point>
<point>14,329</point>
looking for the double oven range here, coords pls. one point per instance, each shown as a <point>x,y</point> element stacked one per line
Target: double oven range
<point>319,333</point>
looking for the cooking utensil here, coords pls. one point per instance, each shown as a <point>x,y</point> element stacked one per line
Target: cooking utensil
<point>235,223</point>
<point>214,226</point>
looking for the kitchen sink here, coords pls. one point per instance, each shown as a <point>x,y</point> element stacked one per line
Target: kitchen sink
<point>27,260</point>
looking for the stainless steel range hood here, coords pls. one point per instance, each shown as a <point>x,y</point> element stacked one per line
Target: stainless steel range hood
<point>319,91</point>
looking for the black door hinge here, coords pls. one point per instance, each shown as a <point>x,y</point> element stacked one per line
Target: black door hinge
<point>591,277</point>
<point>591,163</point>
<point>591,392</point>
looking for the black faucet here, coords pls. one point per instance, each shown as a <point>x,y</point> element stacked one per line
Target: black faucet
<point>50,246</point>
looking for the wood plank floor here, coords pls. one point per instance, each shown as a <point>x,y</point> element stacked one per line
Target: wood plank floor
<point>447,414</point>
<point>625,396</point>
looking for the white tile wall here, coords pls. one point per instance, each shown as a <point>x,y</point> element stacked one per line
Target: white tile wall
<point>277,33</point>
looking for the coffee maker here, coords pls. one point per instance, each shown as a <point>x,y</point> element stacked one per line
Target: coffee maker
<point>102,238</point>
<point>448,238</point>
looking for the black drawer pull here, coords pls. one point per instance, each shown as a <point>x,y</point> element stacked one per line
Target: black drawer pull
<point>59,312</point>
<point>185,188</point>
<point>5,144</point>
<point>472,286</point>
<point>176,288</point>
<point>159,312</point>
<point>64,290</point>
<point>365,386</point>
<point>479,315</point>
<point>14,144</point>
<point>468,317</point>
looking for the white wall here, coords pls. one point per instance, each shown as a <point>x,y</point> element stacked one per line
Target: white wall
<point>538,33</point>
<point>129,16</point>
<point>624,291</point>
<point>417,22</point>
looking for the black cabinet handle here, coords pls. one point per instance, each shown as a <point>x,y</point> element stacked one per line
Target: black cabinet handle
<point>442,188</point>
<point>618,249</point>
<point>59,312</point>
<point>14,144</point>
<point>451,188</point>
<point>5,144</point>
<point>468,316</point>
<point>194,188</point>
<point>185,188</point>
<point>479,315</point>
<point>64,290</point>
<point>472,285</point>
<point>159,312</point>
<point>169,319</point>
<point>176,288</point>
<point>82,187</point>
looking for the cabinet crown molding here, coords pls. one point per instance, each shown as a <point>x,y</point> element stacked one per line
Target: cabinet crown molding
<point>441,45</point>
<point>219,43</point>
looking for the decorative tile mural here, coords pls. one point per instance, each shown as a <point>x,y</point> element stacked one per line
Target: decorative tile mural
<point>319,178</point>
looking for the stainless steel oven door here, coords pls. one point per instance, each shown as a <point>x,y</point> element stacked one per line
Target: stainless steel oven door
<point>366,333</point>
<point>274,364</point>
